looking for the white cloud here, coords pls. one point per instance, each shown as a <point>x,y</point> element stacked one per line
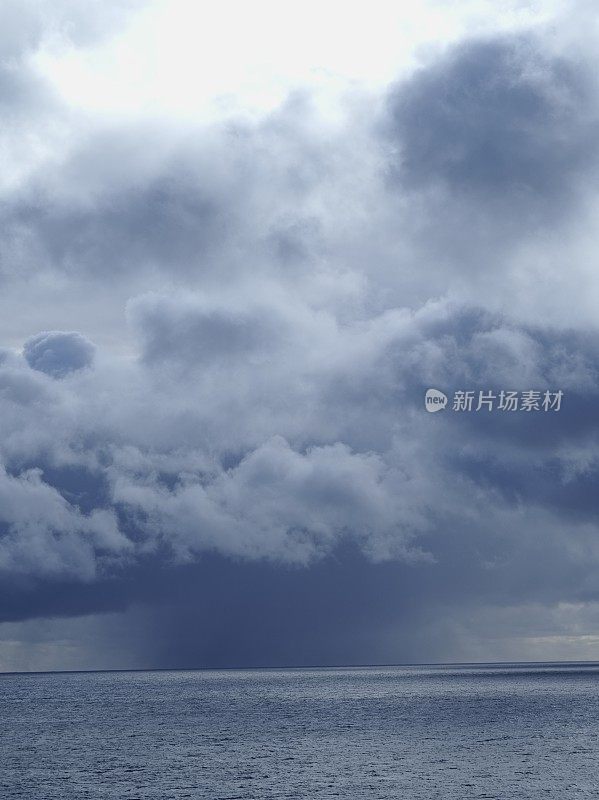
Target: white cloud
<point>194,61</point>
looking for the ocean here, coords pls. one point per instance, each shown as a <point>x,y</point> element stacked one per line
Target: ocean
<point>415,733</point>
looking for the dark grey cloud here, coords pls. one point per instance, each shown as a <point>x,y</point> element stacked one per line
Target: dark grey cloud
<point>169,221</point>
<point>366,464</point>
<point>491,149</point>
<point>193,208</point>
<point>499,119</point>
<point>219,612</point>
<point>58,353</point>
<point>194,331</point>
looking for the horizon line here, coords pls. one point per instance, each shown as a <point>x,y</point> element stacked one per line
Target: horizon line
<point>304,667</point>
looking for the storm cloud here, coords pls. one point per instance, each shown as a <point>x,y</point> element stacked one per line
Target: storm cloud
<point>501,120</point>
<point>218,340</point>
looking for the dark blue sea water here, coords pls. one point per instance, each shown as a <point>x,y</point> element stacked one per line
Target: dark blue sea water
<point>441,732</point>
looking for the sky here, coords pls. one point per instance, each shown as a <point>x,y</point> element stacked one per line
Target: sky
<point>237,246</point>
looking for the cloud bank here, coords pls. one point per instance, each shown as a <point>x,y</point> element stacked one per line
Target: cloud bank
<point>218,340</point>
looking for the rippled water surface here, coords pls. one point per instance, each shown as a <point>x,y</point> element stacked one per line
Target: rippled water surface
<point>444,732</point>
